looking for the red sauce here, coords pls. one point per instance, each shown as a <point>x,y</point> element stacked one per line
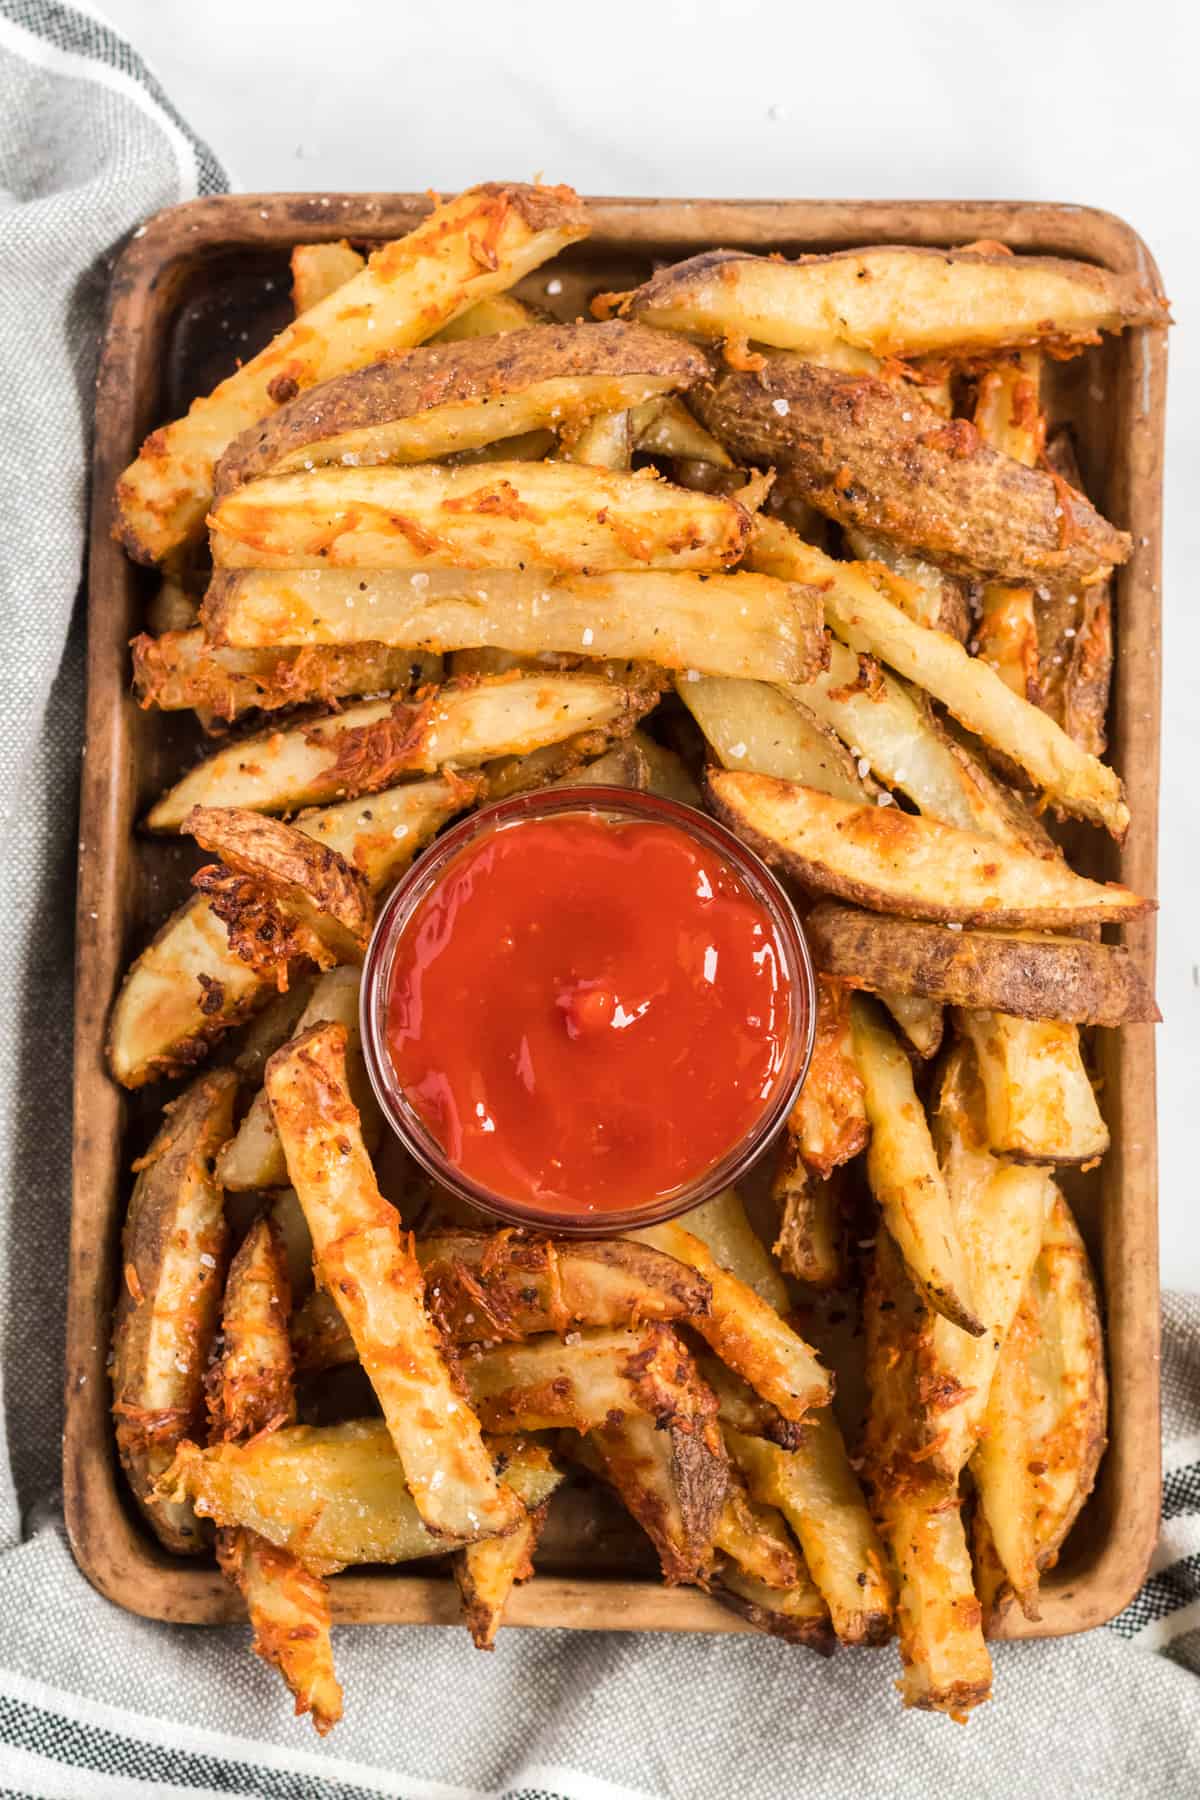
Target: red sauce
<point>588,1014</point>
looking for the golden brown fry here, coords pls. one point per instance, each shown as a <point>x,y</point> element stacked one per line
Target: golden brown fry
<point>723,1227</point>
<point>1006,638</point>
<point>173,1251</point>
<point>904,1174</point>
<point>894,300</point>
<point>755,1538</point>
<point>673,1481</point>
<point>376,1281</point>
<point>428,516</point>
<point>798,1615</point>
<point>1032,975</point>
<point>289,1610</point>
<point>370,746</point>
<point>548,1384</point>
<point>441,400</point>
<point>930,595</point>
<point>769,731</point>
<point>818,1494</point>
<point>829,1119</point>
<point>746,1332</point>
<point>253,1158</point>
<point>335,1495</point>
<point>886,859</point>
<point>741,624</point>
<point>183,669</point>
<point>482,241</point>
<point>1040,1103</point>
<point>487,1572</point>
<point>810,1244</point>
<point>490,316</point>
<point>318,270</point>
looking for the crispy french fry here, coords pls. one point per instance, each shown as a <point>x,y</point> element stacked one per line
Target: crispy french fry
<point>376,1281</point>
<point>904,1174</point>
<point>1041,1106</point>
<point>755,1538</point>
<point>552,514</point>
<point>605,442</point>
<point>798,1615</point>
<point>441,400</point>
<point>737,624</point>
<point>482,241</point>
<point>336,1494</point>
<point>289,1610</point>
<point>271,1026</point>
<point>1008,413</point>
<point>746,1332</point>
<point>892,862</point>
<point>810,1244</point>
<point>740,1407</point>
<point>548,1384</point>
<point>921,1021</point>
<point>666,428</point>
<point>281,895</point>
<point>489,317</point>
<point>182,669</point>
<point>818,1494</point>
<point>894,300</point>
<point>253,1158</point>
<point>173,1252</point>
<point>371,746</point>
<point>753,726</point>
<point>487,1572</point>
<point>1033,975</point>
<point>722,1225</point>
<point>928,595</point>
<point>319,270</point>
<point>870,623</point>
<point>673,1481</point>
<point>829,1120</point>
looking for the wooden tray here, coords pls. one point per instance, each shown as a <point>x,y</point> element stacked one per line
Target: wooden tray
<point>205,282</point>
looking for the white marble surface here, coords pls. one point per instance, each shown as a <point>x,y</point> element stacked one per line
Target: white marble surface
<point>1016,100</point>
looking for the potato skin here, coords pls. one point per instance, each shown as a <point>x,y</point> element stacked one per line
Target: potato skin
<point>173,1251</point>
<point>1071,979</point>
<point>475,370</point>
<point>885,463</point>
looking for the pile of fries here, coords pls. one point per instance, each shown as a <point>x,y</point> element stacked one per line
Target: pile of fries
<point>788,540</point>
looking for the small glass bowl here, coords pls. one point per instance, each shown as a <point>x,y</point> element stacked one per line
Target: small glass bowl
<point>613,803</point>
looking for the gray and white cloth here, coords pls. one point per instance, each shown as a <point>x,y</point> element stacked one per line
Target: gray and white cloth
<point>96,1702</point>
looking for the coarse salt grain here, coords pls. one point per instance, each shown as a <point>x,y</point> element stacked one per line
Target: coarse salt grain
<point>953,925</point>
<point>420,580</point>
<point>885,800</point>
<point>864,768</point>
<point>588,635</point>
<point>737,749</point>
<point>781,407</point>
<point>554,285</point>
<point>399,831</point>
<point>210,1262</point>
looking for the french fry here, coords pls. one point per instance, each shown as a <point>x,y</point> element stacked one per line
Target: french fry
<point>763,729</point>
<point>829,1120</point>
<point>181,669</point>
<point>738,624</point>
<point>755,1538</point>
<point>172,608</point>
<point>548,514</point>
<point>670,776</point>
<point>173,1251</point>
<point>870,624</point>
<point>666,428</point>
<point>746,1332</point>
<point>798,1615</point>
<point>673,1481</point>
<point>816,1490</point>
<point>188,987</point>
<point>376,1281</point>
<point>370,746</point>
<point>929,595</point>
<point>894,863</point>
<point>441,400</point>
<point>944,1660</point>
<point>810,1244</point>
<point>605,442</point>
<point>271,1026</point>
<point>319,270</point>
<point>289,1609</point>
<point>335,1494</point>
<point>547,1384</point>
<point>723,1227</point>
<point>470,247</point>
<point>281,895</point>
<point>253,1158</point>
<point>894,300</point>
<point>921,1021</point>
<point>1009,419</point>
<point>1040,1103</point>
<point>487,1572</point>
<point>1032,975</point>
<point>905,1178</point>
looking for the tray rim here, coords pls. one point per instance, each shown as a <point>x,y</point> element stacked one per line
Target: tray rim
<point>124,1563</point>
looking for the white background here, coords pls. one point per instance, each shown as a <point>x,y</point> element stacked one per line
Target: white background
<point>1019,99</point>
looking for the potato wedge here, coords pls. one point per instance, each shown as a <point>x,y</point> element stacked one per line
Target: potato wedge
<point>319,270</point>
<point>732,624</point>
<point>740,1407</point>
<point>253,1158</point>
<point>182,669</point>
<point>828,1123</point>
<point>888,860</point>
<point>472,246</point>
<point>884,462</point>
<point>755,1538</point>
<point>547,1384</point>
<point>673,1481</point>
<point>488,1571</point>
<point>1040,1104</point>
<point>797,1615</point>
<point>443,399</point>
<point>746,1332</point>
<point>624,766</point>
<point>811,1241</point>
<point>905,1178</point>
<point>974,694</point>
<point>336,1494</point>
<point>429,516</point>
<point>670,776</point>
<point>894,300</point>
<point>753,726</point>
<point>1045,1424</point>
<point>817,1491</point>
<point>376,1281</point>
<point>929,595</point>
<point>281,895</point>
<point>173,1251</point>
<point>371,746</point>
<point>271,1026</point>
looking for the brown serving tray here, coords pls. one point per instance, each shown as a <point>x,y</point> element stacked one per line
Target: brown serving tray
<point>205,282</point>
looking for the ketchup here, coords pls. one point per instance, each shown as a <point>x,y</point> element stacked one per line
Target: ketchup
<point>588,1013</point>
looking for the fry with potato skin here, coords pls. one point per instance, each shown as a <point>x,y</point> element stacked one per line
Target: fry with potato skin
<point>181,669</point>
<point>810,1244</point>
<point>376,1281</point>
<point>673,1482</point>
<point>829,1120</point>
<point>1040,1104</point>
<point>481,241</point>
<point>929,595</point>
<point>797,1614</point>
<point>487,1572</point>
<point>427,516</point>
<point>755,1538</point>
<point>547,1384</point>
<point>895,863</point>
<point>741,624</point>
<point>173,1250</point>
